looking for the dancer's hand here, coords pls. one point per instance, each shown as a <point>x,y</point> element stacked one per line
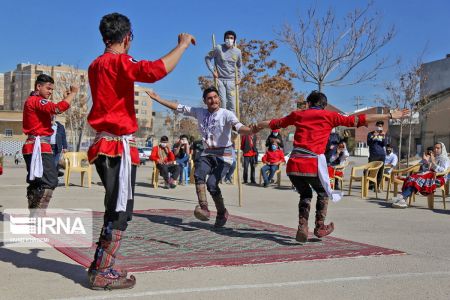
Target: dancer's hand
<point>215,74</point>
<point>398,114</point>
<point>185,39</point>
<point>153,95</point>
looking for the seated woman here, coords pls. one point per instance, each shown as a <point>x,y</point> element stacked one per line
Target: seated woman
<point>435,161</point>
<point>339,156</point>
<point>165,162</point>
<point>272,159</point>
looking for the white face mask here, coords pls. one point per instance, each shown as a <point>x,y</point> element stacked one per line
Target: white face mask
<point>275,133</point>
<point>163,145</point>
<point>380,128</point>
<point>183,141</point>
<point>229,42</point>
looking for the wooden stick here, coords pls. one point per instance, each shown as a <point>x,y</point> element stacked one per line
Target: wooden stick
<point>238,142</point>
<point>215,68</point>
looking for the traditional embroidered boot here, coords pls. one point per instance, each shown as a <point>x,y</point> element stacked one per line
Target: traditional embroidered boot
<point>222,213</point>
<point>201,211</point>
<point>303,215</point>
<point>101,273</point>
<point>321,229</point>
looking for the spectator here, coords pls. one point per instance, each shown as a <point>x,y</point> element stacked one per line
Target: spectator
<point>58,142</point>
<point>275,136</point>
<point>227,57</point>
<point>391,160</point>
<point>17,157</point>
<point>165,162</point>
<point>338,157</point>
<point>182,151</point>
<point>433,162</point>
<point>250,154</point>
<point>272,159</point>
<point>376,140</point>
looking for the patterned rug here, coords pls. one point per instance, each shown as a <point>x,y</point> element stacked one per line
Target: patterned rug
<point>169,239</point>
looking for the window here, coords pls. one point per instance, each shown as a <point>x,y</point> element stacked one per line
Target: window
<point>136,93</point>
<point>136,102</point>
<point>144,103</point>
<point>144,112</point>
<point>137,111</point>
<point>8,132</point>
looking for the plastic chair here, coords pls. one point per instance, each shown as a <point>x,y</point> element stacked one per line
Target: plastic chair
<point>370,171</point>
<point>398,177</point>
<point>155,175</point>
<point>341,168</point>
<point>77,162</point>
<point>442,188</point>
<point>386,176</point>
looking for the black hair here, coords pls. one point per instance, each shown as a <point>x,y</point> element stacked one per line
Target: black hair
<point>183,136</point>
<point>114,28</point>
<point>389,146</point>
<point>379,122</point>
<point>209,90</point>
<point>164,139</point>
<point>430,148</point>
<point>42,79</point>
<point>317,99</point>
<point>230,32</point>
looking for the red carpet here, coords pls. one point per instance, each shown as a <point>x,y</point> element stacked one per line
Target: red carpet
<point>171,239</point>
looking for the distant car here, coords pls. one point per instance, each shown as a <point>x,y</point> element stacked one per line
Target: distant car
<point>142,156</point>
<point>147,151</point>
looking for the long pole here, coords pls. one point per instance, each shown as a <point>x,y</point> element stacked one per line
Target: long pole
<point>238,142</point>
<point>215,68</point>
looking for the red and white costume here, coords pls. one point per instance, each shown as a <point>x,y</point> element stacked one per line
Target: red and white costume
<point>313,128</point>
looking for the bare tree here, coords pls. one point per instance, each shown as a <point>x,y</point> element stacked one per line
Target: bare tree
<point>405,93</point>
<point>76,115</point>
<point>329,48</point>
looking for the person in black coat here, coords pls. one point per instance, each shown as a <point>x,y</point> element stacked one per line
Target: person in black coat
<point>59,143</point>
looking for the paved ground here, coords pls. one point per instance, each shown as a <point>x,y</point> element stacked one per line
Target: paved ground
<point>421,274</point>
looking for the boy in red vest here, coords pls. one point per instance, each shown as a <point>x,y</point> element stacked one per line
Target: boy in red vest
<point>272,159</point>
<point>111,77</point>
<point>307,166</point>
<point>37,151</point>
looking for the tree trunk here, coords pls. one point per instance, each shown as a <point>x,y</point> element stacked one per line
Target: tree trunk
<point>400,142</point>
<point>409,140</point>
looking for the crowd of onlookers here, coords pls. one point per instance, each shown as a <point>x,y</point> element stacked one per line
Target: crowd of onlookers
<point>174,161</point>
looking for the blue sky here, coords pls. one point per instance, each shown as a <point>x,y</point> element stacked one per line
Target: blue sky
<point>53,32</point>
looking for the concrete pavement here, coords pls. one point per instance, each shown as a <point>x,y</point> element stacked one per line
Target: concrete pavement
<point>421,274</point>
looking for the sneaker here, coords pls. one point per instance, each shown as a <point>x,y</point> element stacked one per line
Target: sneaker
<point>399,202</point>
<point>266,184</point>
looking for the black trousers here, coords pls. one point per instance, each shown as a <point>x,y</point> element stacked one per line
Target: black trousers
<point>304,186</point>
<point>108,169</point>
<point>49,179</point>
<point>249,161</point>
<point>164,170</point>
<point>380,172</point>
<point>212,167</point>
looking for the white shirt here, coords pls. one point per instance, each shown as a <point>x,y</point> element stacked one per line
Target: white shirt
<point>215,127</point>
<point>391,159</point>
<point>53,137</point>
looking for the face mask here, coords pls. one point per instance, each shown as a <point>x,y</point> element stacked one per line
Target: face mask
<point>229,42</point>
<point>183,141</point>
<point>163,145</point>
<point>380,128</point>
<point>275,133</point>
<point>388,151</point>
<point>274,147</point>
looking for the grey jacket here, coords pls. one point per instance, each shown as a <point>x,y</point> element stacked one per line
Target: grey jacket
<point>225,60</point>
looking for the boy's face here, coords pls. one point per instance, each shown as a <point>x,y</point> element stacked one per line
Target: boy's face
<point>229,40</point>
<point>212,101</point>
<point>45,89</point>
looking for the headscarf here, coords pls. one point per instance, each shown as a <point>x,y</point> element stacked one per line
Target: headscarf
<point>442,159</point>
